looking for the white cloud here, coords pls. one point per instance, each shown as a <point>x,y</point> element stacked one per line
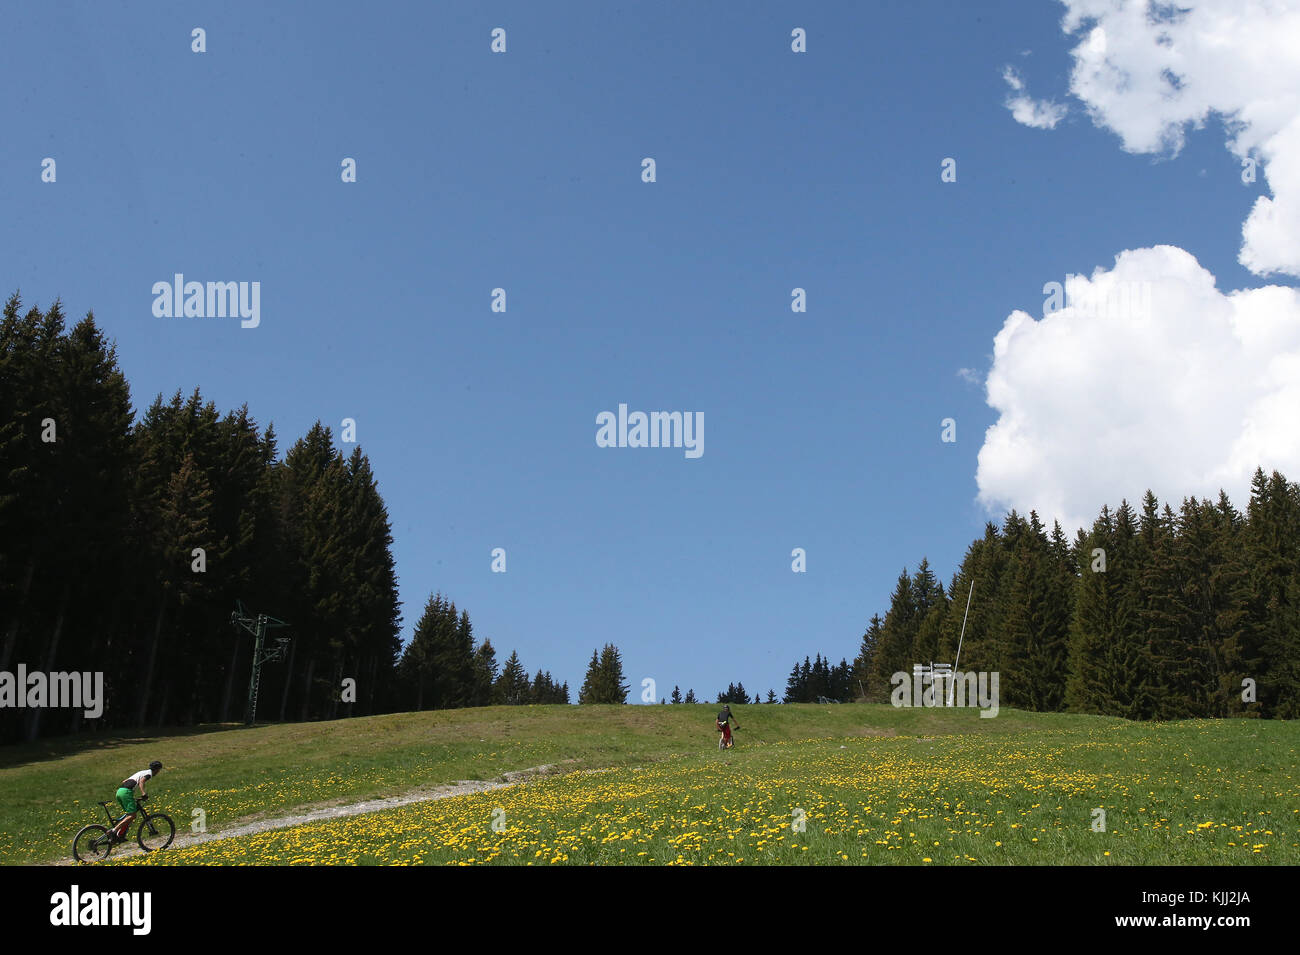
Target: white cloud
<point>1185,397</point>
<point>1096,404</point>
<point>1271,236</point>
<point>1039,114</point>
<point>970,376</point>
<point>1148,80</point>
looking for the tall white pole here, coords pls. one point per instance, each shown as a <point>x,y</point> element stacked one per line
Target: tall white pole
<point>952,681</point>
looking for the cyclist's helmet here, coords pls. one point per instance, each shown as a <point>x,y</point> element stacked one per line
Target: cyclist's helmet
<point>155,766</point>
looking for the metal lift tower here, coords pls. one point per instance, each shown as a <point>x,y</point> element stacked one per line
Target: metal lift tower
<point>261,653</point>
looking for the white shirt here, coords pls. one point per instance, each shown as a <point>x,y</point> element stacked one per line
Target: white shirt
<point>140,777</point>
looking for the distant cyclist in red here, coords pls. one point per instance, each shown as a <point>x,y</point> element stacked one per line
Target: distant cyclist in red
<point>725,719</point>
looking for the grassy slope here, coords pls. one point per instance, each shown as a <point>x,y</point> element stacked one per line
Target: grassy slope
<point>1190,793</point>
<point>48,789</point>
<point>1047,767</point>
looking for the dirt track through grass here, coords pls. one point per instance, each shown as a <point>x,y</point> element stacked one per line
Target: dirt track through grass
<point>462,787</point>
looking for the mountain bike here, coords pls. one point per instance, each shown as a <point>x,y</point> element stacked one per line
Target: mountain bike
<point>725,740</point>
<point>94,842</point>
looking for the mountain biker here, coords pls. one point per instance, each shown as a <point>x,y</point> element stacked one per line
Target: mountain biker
<point>126,797</point>
<point>725,719</point>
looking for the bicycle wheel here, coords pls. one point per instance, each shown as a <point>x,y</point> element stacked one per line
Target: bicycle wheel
<point>156,832</point>
<point>92,844</point>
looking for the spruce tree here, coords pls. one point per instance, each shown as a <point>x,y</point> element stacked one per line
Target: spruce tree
<point>613,689</point>
<point>795,686</point>
<point>1220,599</point>
<point>485,675</point>
<point>513,687</point>
<point>897,637</point>
<point>591,684</point>
<point>866,653</point>
<point>1270,652</point>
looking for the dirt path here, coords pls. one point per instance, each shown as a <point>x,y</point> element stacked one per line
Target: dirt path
<point>425,794</point>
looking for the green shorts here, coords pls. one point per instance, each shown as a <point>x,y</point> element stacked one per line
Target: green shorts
<point>126,798</point>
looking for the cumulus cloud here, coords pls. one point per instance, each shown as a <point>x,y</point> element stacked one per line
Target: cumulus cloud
<point>1150,376</point>
<point>1039,114</point>
<point>1149,76</point>
<point>1155,378</point>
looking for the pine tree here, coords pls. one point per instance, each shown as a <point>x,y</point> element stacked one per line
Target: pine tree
<point>591,684</point>
<point>690,697</point>
<point>926,589</point>
<point>415,666</point>
<point>1108,659</point>
<point>613,689</point>
<point>371,642</point>
<point>842,689</point>
<point>819,679</point>
<point>513,687</point>
<point>27,359</point>
<point>795,686</point>
<point>977,583</point>
<point>459,662</point>
<point>1050,653</point>
<point>735,693</point>
<point>440,660</point>
<point>67,497</point>
<point>1184,616</point>
<point>485,675</point>
<point>184,527</point>
<point>1132,670</point>
<point>866,653</point>
<point>1270,648</point>
<point>925,646</point>
<point>1219,598</point>
<point>677,694</point>
<point>316,505</point>
<point>1034,646</point>
<point>893,652</point>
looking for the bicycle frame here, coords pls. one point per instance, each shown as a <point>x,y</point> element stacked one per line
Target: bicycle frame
<point>141,813</point>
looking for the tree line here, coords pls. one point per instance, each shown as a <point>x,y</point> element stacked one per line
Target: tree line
<point>443,668</point>
<point>1149,614</point>
<point>819,680</point>
<point>125,546</point>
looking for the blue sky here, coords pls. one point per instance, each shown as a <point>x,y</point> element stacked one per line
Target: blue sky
<point>522,171</point>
